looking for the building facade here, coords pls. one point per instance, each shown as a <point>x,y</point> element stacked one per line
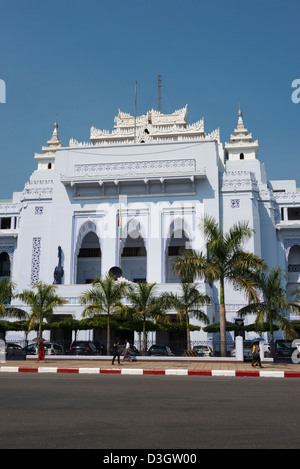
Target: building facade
<point>134,198</point>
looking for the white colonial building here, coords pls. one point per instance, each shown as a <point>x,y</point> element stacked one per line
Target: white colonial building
<point>156,176</point>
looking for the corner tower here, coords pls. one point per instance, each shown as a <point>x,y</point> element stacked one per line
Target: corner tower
<point>241,146</point>
<point>46,160</point>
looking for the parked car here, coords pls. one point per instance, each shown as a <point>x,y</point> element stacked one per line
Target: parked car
<point>51,348</point>
<point>14,350</point>
<point>160,350</point>
<point>283,348</point>
<point>82,347</point>
<point>203,350</point>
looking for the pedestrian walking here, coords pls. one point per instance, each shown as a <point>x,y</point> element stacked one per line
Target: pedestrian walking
<point>116,351</point>
<point>127,355</point>
<point>256,361</point>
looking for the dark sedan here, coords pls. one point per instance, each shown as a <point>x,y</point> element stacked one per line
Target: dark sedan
<point>160,350</point>
<point>82,347</point>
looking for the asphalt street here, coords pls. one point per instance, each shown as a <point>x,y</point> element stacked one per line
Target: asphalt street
<point>147,412</point>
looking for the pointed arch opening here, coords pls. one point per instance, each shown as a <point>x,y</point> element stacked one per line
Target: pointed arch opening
<point>294,262</point>
<point>177,243</point>
<point>133,257</point>
<point>88,259</point>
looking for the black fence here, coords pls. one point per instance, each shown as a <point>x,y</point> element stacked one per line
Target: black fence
<point>171,348</point>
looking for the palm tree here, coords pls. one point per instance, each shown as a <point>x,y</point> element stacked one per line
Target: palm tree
<point>42,299</point>
<point>104,298</point>
<point>188,305</point>
<point>6,294</point>
<point>273,306</point>
<point>225,260</point>
<point>144,305</point>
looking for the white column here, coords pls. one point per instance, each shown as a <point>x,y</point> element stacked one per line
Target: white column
<point>239,348</point>
<point>155,256</point>
<point>262,351</point>
<point>109,246</point>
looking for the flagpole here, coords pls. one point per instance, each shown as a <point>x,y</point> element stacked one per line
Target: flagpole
<point>120,234</point>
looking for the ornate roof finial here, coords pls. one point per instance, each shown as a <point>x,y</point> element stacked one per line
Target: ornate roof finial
<point>56,123</point>
<point>240,125</point>
<point>240,114</point>
<point>54,142</point>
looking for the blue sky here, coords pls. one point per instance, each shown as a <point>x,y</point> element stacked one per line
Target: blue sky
<point>80,59</point>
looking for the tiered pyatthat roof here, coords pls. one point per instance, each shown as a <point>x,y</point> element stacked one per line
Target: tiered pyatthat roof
<point>47,158</point>
<point>241,142</point>
<point>54,143</point>
<point>153,127</point>
<point>240,133</point>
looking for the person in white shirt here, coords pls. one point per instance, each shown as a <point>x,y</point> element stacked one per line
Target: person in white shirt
<point>127,355</point>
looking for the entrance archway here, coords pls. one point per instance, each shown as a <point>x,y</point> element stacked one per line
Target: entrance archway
<point>88,259</point>
<point>134,254</point>
<point>176,245</point>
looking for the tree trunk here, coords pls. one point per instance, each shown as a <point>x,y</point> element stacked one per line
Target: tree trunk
<point>188,335</point>
<point>108,352</point>
<point>272,343</point>
<point>222,319</point>
<point>144,338</point>
<point>40,327</point>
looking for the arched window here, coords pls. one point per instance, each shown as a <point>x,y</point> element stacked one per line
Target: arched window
<point>88,259</point>
<point>49,165</point>
<point>4,265</point>
<point>242,157</point>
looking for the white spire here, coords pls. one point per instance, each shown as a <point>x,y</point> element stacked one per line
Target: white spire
<point>241,145</point>
<point>54,142</point>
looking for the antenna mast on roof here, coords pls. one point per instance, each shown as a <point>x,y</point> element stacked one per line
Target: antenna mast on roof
<point>159,93</point>
<point>135,111</point>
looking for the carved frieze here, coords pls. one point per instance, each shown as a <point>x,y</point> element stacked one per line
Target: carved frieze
<point>137,168</point>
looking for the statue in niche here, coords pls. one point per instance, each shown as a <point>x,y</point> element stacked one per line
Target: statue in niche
<point>58,271</point>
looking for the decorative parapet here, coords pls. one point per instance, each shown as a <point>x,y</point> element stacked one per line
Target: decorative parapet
<point>286,197</point>
<point>75,143</point>
<point>38,189</point>
<point>238,181</point>
<point>266,195</point>
<point>10,207</point>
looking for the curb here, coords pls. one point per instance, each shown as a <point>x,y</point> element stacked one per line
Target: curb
<point>140,371</point>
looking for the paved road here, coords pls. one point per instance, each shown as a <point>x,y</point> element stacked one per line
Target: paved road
<point>149,412</point>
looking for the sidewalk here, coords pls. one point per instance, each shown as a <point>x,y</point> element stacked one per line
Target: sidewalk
<point>161,367</point>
